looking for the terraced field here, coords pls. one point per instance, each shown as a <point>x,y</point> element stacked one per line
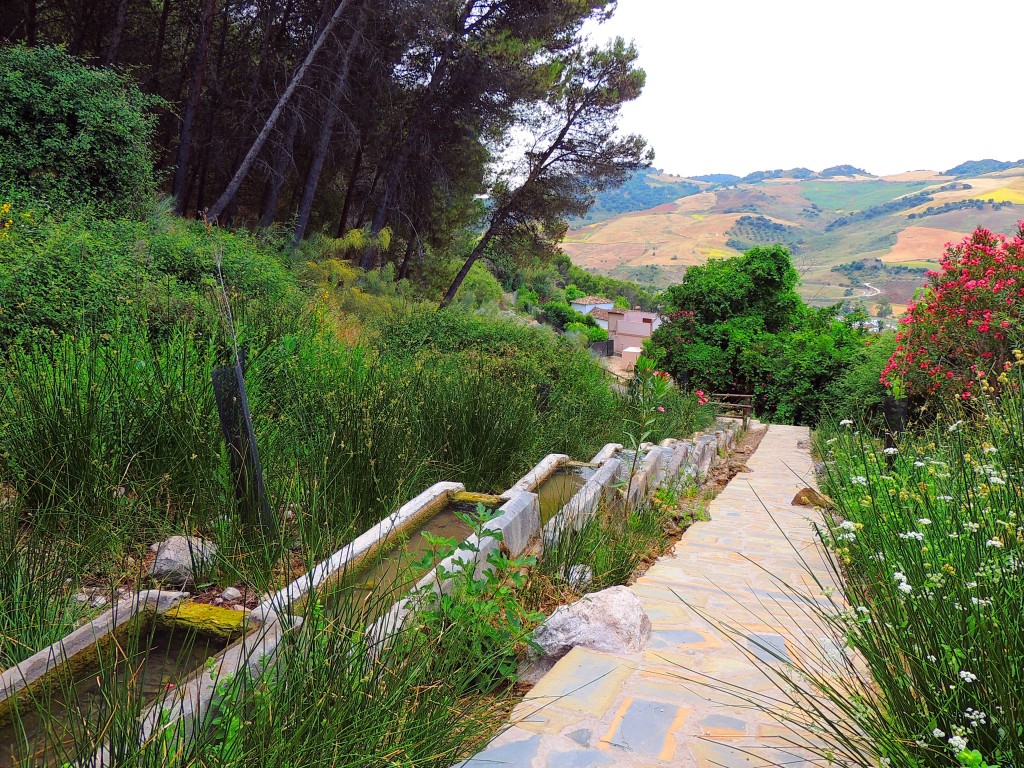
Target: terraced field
<point>830,224</point>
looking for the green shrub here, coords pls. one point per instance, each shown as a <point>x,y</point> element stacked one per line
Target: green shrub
<point>527,300</point>
<point>572,293</point>
<point>72,134</point>
<point>738,325</point>
<point>76,273</point>
<point>591,332</point>
<point>454,330</point>
<point>858,393</point>
<point>560,314</point>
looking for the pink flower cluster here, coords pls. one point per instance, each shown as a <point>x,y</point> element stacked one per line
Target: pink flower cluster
<point>965,323</point>
<point>702,399</point>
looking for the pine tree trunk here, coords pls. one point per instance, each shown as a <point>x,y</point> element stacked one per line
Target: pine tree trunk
<point>275,115</point>
<point>278,173</point>
<point>477,252</point>
<point>410,249</point>
<point>30,32</point>
<point>158,56</point>
<point>115,38</point>
<point>188,117</point>
<point>323,143</point>
<point>350,192</point>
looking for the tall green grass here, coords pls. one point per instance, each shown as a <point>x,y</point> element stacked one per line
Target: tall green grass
<point>37,583</point>
<point>332,694</point>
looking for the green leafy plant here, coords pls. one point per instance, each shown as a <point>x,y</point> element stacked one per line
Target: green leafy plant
<point>482,596</point>
<point>71,134</point>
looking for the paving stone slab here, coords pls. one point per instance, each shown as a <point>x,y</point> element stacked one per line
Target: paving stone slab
<point>657,708</point>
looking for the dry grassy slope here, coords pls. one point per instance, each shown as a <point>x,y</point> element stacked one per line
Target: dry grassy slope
<point>655,246</point>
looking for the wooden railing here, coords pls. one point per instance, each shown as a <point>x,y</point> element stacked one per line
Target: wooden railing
<point>733,404</point>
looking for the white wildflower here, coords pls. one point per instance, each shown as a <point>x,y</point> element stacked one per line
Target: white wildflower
<point>905,588</point>
<point>848,525</point>
<point>846,423</point>
<point>931,658</point>
<point>944,498</point>
<point>968,677</point>
<point>899,576</point>
<point>924,521</point>
<point>958,743</point>
<point>977,718</point>
<point>859,480</point>
<point>890,451</point>
<point>915,535</point>
<point>955,426</point>
<point>939,734</point>
<point>991,449</point>
<point>919,464</point>
<point>995,543</point>
<point>996,480</point>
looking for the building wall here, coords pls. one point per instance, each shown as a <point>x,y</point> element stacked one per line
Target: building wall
<point>625,340</point>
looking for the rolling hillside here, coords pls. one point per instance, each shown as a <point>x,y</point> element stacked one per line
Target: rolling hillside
<point>852,235</point>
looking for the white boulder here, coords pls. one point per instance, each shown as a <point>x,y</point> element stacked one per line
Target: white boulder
<point>180,559</point>
<point>612,620</point>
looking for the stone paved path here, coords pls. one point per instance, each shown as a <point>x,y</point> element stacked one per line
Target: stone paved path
<point>596,709</point>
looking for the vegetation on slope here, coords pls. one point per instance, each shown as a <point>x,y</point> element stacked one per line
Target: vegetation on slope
<point>738,325</point>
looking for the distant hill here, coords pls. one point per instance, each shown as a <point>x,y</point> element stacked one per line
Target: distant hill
<point>981,167</point>
<point>718,178</point>
<point>843,170</point>
<point>648,188</point>
<point>853,235</point>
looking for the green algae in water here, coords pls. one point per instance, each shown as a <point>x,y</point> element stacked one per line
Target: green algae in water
<point>559,487</point>
<point>376,585</point>
<point>70,718</point>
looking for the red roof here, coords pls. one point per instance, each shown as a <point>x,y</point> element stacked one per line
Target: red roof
<point>591,300</point>
<point>599,313</point>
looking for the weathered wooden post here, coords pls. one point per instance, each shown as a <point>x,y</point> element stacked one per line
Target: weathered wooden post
<point>894,413</point>
<point>236,424</point>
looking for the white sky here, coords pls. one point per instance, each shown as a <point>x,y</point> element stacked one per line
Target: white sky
<point>735,86</point>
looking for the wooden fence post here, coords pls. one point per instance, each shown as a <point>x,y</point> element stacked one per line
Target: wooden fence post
<point>236,424</point>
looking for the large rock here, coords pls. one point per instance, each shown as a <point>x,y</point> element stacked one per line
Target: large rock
<point>612,620</point>
<point>808,497</point>
<point>180,559</point>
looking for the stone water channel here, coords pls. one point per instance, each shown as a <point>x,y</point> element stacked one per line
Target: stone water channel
<point>179,649</point>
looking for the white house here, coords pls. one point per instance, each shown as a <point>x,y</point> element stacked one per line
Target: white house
<point>600,315</point>
<point>587,304</point>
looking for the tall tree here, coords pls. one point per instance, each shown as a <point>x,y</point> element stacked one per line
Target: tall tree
<point>330,119</point>
<point>188,116</point>
<point>279,109</point>
<point>475,67</point>
<point>574,151</point>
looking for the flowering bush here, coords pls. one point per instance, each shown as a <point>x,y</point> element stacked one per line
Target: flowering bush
<point>958,337</point>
